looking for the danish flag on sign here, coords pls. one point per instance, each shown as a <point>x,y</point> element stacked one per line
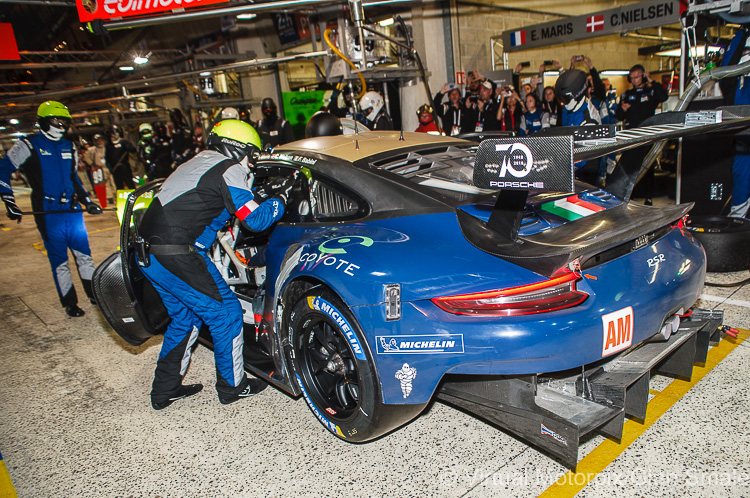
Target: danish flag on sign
<point>594,23</point>
<point>517,38</point>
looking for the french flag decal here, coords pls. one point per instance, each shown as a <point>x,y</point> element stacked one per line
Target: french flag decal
<point>517,38</point>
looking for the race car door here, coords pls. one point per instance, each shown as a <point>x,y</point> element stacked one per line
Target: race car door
<point>126,298</point>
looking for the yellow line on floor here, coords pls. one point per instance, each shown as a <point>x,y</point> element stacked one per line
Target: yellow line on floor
<point>105,229</point>
<point>6,486</point>
<point>39,246</point>
<point>569,484</point>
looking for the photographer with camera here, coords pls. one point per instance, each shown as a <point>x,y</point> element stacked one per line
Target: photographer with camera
<point>451,111</point>
<point>510,111</point>
<point>481,112</point>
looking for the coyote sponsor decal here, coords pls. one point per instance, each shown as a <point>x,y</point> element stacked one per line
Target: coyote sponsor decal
<point>324,306</point>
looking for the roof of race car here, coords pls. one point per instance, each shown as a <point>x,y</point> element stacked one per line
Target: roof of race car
<point>355,147</point>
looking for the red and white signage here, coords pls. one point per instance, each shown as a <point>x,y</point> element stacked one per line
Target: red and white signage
<point>594,23</point>
<point>88,10</point>
<point>618,331</point>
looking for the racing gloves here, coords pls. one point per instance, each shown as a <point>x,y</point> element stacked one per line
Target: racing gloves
<point>279,187</point>
<point>12,210</point>
<point>93,208</point>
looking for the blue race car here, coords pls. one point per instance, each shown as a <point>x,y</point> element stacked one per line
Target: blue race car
<point>404,271</point>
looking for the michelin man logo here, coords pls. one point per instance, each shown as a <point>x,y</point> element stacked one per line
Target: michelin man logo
<point>519,156</point>
<point>405,376</point>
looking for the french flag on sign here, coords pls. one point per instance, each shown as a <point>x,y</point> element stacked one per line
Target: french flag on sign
<point>594,23</point>
<point>517,38</point>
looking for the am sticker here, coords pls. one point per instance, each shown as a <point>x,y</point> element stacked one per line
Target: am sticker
<point>618,331</point>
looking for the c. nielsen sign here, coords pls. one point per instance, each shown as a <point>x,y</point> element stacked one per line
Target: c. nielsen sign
<point>89,10</point>
<point>630,17</point>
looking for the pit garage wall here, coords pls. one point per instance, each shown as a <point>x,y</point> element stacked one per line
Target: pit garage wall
<point>473,26</point>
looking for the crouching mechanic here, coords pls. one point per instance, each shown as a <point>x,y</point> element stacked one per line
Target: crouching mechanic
<point>178,228</point>
<point>50,162</point>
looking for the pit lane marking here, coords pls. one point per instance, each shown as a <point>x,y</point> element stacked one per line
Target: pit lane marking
<point>724,300</point>
<point>571,483</point>
<point>6,485</point>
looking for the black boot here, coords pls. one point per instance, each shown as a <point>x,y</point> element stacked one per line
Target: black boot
<point>254,386</point>
<point>74,311</point>
<point>182,392</point>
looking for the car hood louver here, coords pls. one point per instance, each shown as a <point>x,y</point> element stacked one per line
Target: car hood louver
<point>547,251</point>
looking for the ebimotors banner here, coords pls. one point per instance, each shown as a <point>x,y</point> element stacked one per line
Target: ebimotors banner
<point>89,10</point>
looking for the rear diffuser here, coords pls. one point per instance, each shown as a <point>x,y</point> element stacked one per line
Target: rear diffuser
<point>555,414</point>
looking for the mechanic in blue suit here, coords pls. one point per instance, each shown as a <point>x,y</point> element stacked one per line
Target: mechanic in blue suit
<point>49,162</point>
<point>737,91</point>
<point>177,229</point>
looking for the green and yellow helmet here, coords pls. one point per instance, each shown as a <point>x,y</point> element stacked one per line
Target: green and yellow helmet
<point>52,108</point>
<point>235,139</point>
<point>54,119</point>
<point>145,131</point>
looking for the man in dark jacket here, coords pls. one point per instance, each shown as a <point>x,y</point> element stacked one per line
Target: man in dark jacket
<point>117,156</point>
<point>272,129</point>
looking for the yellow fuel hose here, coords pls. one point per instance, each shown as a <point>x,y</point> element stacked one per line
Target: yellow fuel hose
<point>326,36</point>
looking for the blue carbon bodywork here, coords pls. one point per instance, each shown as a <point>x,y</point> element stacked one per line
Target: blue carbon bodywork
<point>356,261</point>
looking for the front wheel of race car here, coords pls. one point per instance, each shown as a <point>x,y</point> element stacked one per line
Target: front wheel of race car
<point>334,369</point>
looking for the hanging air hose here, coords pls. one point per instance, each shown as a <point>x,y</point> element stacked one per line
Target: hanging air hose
<point>326,36</point>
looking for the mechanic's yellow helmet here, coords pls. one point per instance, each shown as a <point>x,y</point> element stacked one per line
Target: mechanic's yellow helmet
<point>235,139</point>
<point>51,109</point>
<point>145,131</point>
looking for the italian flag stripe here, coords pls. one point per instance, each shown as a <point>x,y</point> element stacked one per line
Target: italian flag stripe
<point>571,208</point>
<point>580,202</point>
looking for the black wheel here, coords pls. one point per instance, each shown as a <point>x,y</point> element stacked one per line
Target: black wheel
<point>726,241</point>
<point>335,371</point>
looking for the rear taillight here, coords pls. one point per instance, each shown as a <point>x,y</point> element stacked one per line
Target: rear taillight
<point>550,295</point>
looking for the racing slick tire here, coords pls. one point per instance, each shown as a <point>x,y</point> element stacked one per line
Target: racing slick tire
<point>334,369</point>
<point>726,241</point>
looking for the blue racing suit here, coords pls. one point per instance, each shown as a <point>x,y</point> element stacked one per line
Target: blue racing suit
<point>532,122</point>
<point>50,168</point>
<point>192,205</point>
<point>585,115</point>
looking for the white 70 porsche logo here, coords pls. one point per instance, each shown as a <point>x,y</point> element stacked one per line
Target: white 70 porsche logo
<point>519,155</point>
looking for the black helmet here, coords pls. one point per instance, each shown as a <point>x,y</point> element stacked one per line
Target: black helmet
<point>268,107</point>
<point>571,86</point>
<point>160,130</point>
<point>323,124</point>
<point>114,130</point>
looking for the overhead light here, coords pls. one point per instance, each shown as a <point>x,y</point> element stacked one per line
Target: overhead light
<point>615,72</point>
<point>140,60</point>
<point>205,73</point>
<point>246,17</point>
<point>386,22</point>
<point>695,52</point>
<point>127,68</point>
<point>2,127</point>
<point>552,73</point>
<point>13,121</point>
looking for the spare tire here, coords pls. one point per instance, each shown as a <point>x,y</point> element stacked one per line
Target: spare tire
<point>726,241</point>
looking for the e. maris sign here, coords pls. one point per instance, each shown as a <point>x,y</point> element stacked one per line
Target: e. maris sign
<point>89,10</point>
<point>630,17</point>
